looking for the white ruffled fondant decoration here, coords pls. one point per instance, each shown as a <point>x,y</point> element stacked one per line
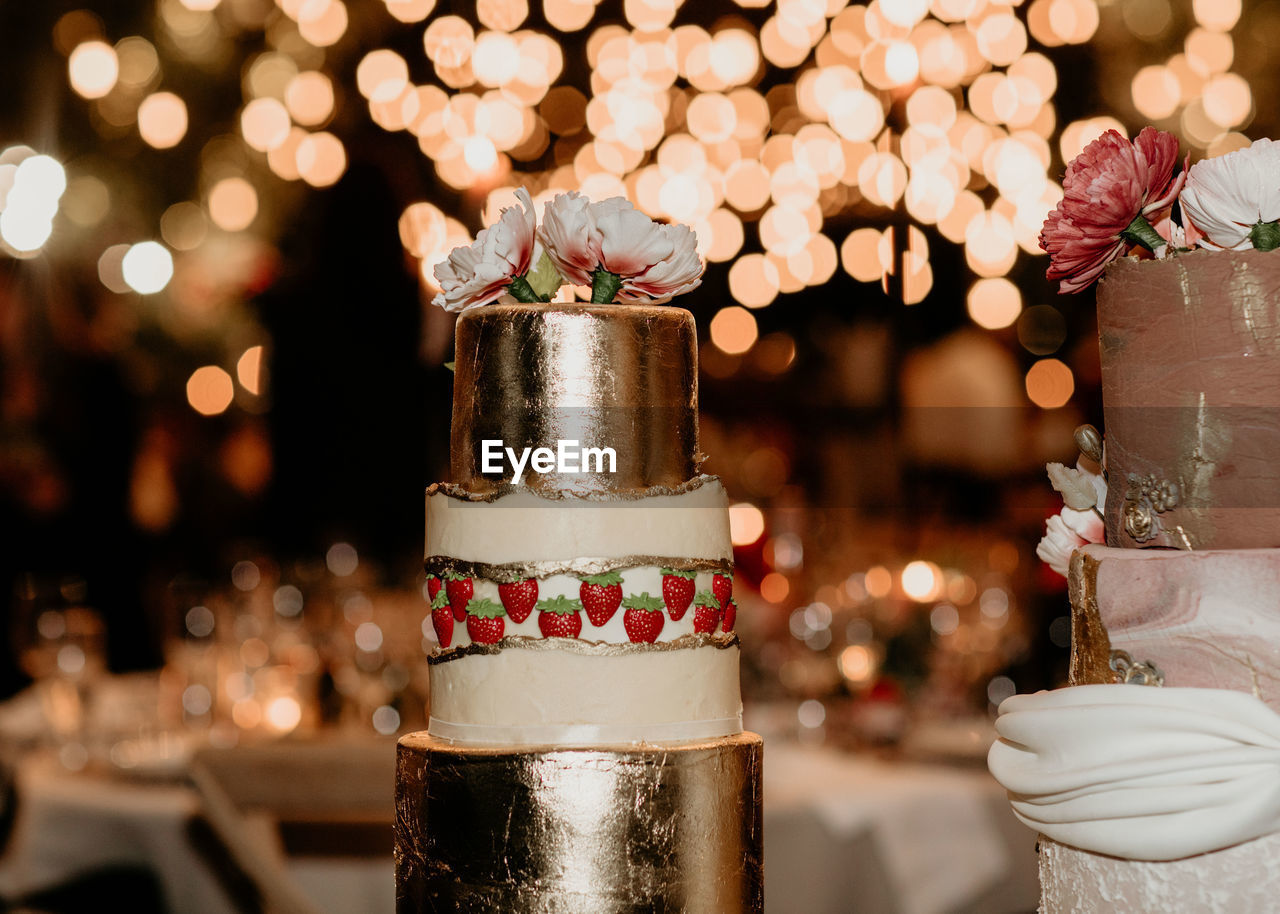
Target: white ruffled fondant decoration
<point>1139,772</point>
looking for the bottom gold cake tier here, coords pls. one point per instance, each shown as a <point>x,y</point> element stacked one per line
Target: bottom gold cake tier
<point>598,831</point>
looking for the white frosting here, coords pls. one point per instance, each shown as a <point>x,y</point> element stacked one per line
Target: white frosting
<point>645,579</point>
<point>568,697</point>
<point>1140,772</point>
<point>524,527</point>
<point>1236,880</point>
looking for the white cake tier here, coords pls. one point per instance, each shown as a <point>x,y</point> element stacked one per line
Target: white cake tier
<point>579,533</point>
<point>565,692</point>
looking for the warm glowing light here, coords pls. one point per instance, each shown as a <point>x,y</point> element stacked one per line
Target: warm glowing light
<point>754,282</point>
<point>147,267</point>
<point>233,204</point>
<point>327,26</point>
<point>321,159</point>
<point>922,581</point>
<point>1155,92</point>
<point>249,370</point>
<point>138,61</point>
<point>1218,15</point>
<point>994,303</point>
<point>865,255</point>
<point>309,98</point>
<point>93,69</point>
<point>1079,134</point>
<point>162,120</point>
<point>1228,101</point>
<point>264,123</point>
<point>878,582</point>
<point>422,229</point>
<point>210,390</point>
<point>382,75</point>
<point>774,587</point>
<point>284,713</point>
<point>449,41</point>
<point>858,664</point>
<point>410,10</point>
<point>1050,384</point>
<point>733,330</point>
<point>568,15</point>
<point>746,523</point>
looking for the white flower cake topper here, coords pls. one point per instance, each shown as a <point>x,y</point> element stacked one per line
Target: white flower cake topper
<point>1084,492</point>
<point>1234,199</point>
<point>618,251</point>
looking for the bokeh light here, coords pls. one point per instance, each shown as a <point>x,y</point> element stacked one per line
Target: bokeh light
<point>147,267</point>
<point>93,68</point>
<point>210,390</point>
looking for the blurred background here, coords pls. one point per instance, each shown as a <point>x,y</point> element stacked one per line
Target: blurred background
<point>223,387</point>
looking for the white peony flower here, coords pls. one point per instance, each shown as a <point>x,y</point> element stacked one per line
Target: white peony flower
<point>479,273</point>
<point>619,251</point>
<point>1234,199</point>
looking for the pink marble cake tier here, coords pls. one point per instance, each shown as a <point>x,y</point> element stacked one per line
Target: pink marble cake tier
<point>1203,619</point>
<point>1191,393</point>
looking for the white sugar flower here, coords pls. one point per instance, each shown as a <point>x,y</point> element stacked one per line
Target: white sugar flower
<point>619,250</point>
<point>1234,199</point>
<point>497,262</point>
<point>1072,528</point>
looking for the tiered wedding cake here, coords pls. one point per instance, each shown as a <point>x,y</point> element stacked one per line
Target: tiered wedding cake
<point>585,749</point>
<point>1153,780</point>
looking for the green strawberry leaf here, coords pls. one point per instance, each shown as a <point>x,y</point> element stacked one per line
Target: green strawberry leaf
<point>643,601</point>
<point>687,575</point>
<point>451,575</point>
<point>706,598</point>
<point>441,600</point>
<point>561,606</point>
<point>484,608</point>
<point>604,580</point>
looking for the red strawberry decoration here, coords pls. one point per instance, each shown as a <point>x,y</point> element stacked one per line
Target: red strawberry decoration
<point>643,619</point>
<point>460,589</point>
<point>518,599</point>
<point>722,587</point>
<point>442,618</point>
<point>677,591</point>
<point>730,615</point>
<point>485,621</point>
<point>601,595</point>
<point>559,618</point>
<point>706,612</point>
<point>433,587</point>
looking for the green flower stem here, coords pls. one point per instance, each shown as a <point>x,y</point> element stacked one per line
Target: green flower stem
<point>521,291</point>
<point>1265,236</point>
<point>1141,232</point>
<point>604,286</point>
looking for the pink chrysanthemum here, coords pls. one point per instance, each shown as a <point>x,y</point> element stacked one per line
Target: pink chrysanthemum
<point>1108,191</point>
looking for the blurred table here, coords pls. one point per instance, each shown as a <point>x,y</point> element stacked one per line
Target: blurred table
<point>843,833</point>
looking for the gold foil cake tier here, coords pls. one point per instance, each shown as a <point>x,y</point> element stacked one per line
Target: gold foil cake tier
<point>617,376</point>
<point>623,829</point>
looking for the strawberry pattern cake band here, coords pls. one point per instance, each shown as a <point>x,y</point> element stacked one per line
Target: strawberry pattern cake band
<point>512,572</point>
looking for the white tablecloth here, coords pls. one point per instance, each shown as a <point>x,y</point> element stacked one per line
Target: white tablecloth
<point>842,834</point>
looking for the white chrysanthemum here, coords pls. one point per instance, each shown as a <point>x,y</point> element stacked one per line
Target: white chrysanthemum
<point>1227,196</point>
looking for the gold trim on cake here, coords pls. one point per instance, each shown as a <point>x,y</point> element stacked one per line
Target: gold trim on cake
<point>513,572</point>
<point>1090,644</point>
<point>611,829</point>
<point>618,376</point>
<point>721,641</point>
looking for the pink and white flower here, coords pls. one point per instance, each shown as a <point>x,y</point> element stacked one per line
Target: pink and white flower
<point>1108,191</point>
<point>479,273</point>
<point>619,251</point>
<point>1234,199</point>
